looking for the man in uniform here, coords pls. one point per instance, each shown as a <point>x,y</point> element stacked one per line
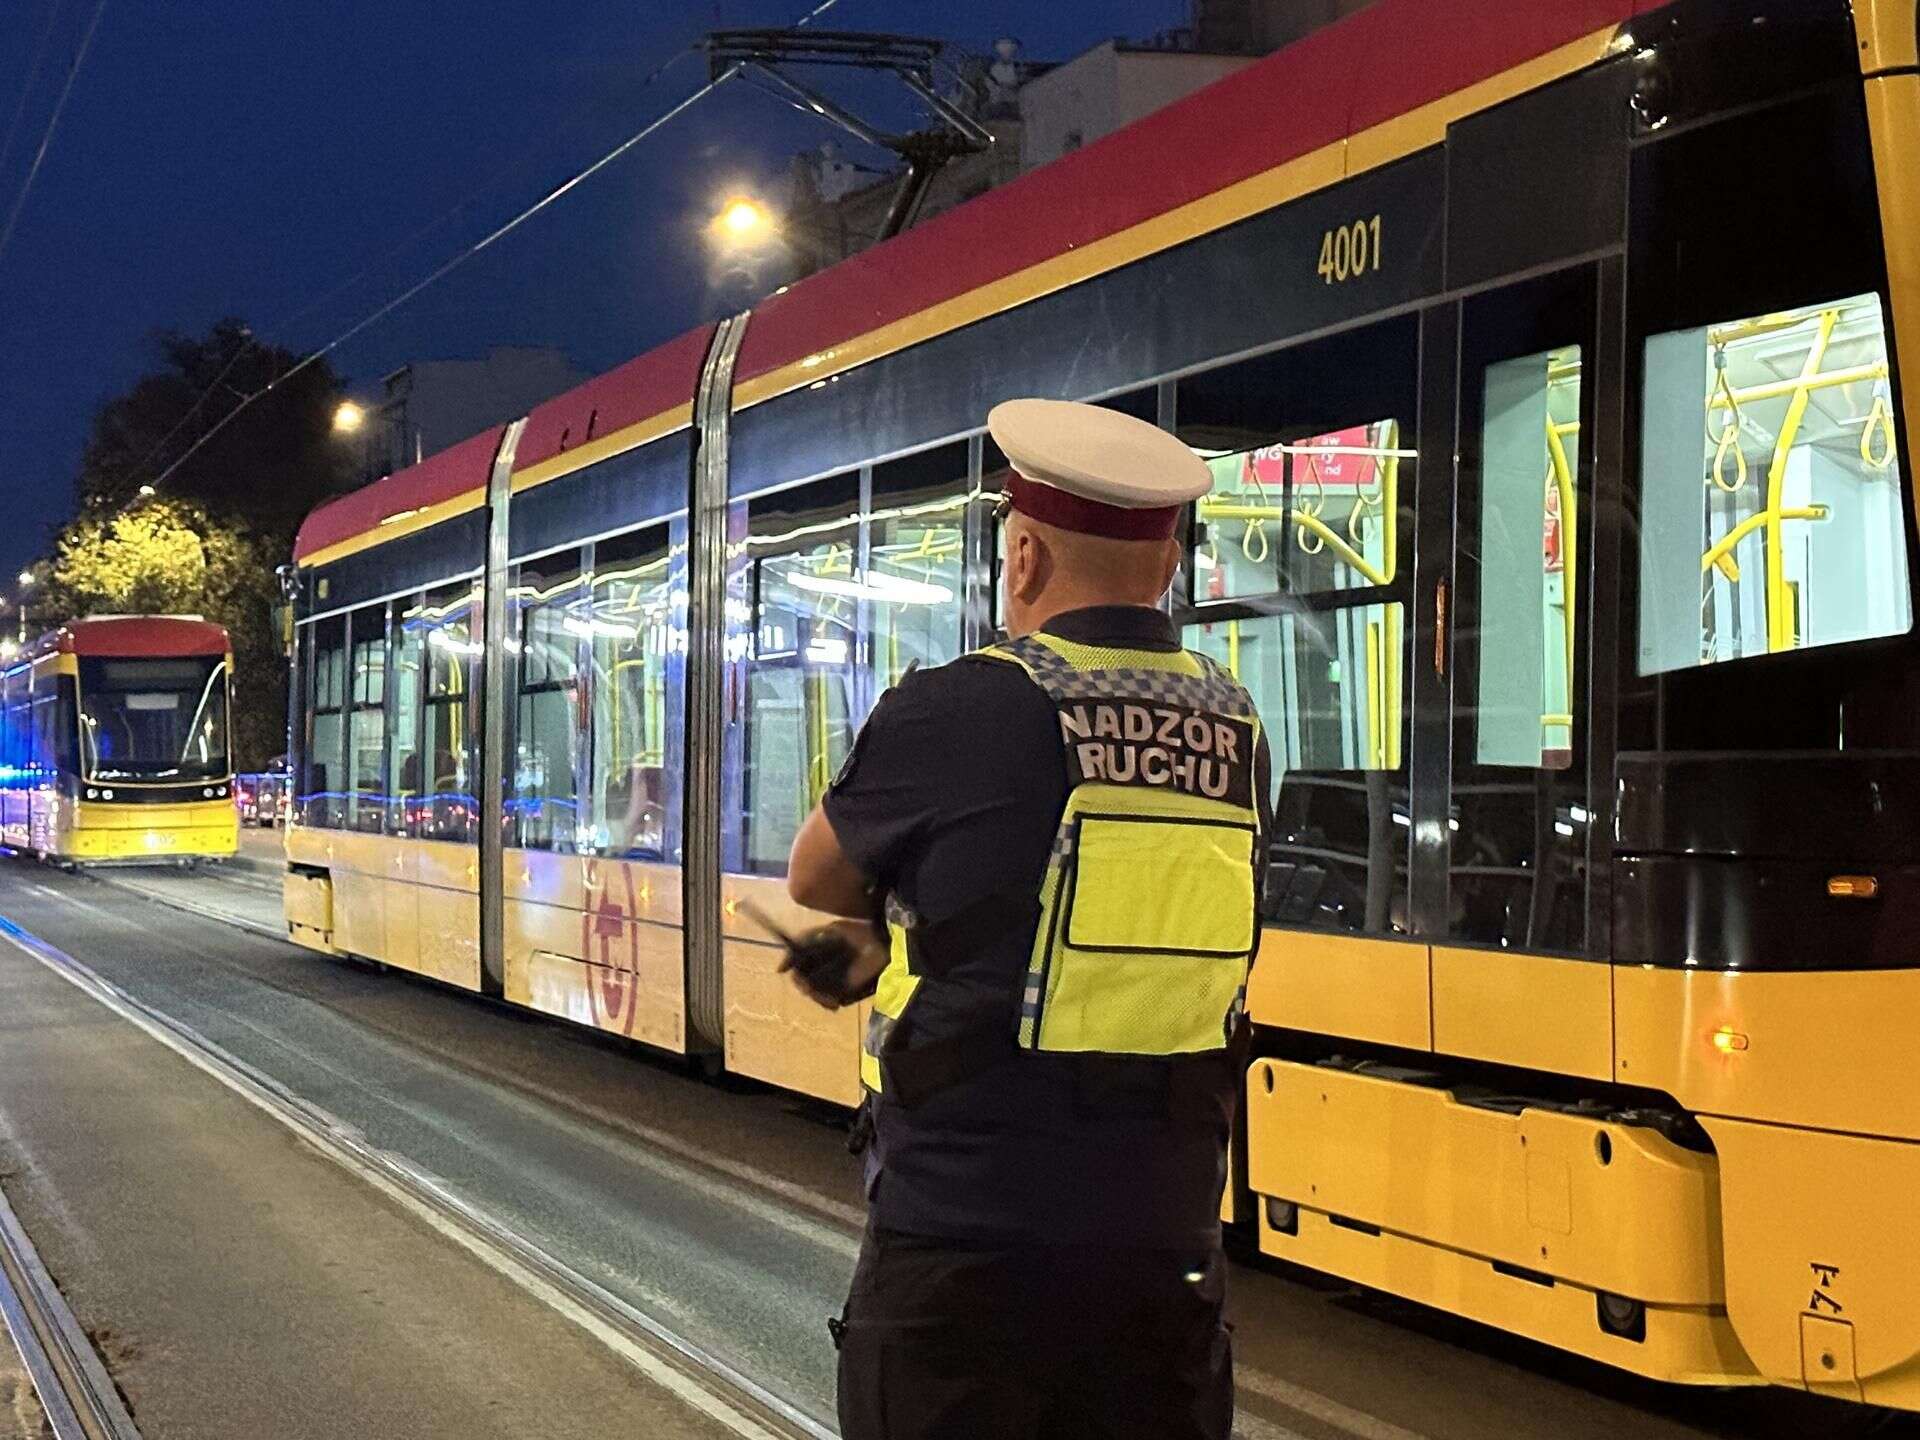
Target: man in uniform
<point>1066,832</point>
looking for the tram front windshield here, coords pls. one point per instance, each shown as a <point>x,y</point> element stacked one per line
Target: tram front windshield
<point>153,719</point>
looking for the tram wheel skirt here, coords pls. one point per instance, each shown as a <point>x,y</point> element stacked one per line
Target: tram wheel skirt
<point>1568,1229</point>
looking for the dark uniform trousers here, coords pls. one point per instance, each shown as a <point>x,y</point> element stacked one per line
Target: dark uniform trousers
<point>943,1341</point>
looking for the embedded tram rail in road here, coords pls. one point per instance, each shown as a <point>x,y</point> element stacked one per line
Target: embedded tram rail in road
<point>77,1399</point>
<point>730,1214</point>
<point>243,1285</point>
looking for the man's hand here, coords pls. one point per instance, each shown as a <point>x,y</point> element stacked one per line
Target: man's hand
<point>835,965</point>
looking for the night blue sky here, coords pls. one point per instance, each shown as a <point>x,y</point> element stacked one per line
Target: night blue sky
<point>220,157</point>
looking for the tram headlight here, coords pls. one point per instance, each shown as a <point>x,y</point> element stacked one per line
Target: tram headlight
<point>92,794</point>
<point>106,794</point>
<point>206,792</point>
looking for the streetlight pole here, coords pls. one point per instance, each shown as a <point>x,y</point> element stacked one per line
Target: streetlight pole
<point>27,580</point>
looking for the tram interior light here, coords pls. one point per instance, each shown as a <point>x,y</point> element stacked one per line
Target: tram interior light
<point>578,625</point>
<point>874,585</point>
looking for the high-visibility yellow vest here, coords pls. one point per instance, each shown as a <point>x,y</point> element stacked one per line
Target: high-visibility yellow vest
<point>1148,916</point>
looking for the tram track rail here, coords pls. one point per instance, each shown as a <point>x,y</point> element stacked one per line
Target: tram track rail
<point>1319,1413</point>
<point>706,1382</point>
<point>76,1393</point>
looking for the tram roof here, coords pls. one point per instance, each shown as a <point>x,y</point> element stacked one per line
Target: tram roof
<point>142,636</point>
<point>1380,84</point>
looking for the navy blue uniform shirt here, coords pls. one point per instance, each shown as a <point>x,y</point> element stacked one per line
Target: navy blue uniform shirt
<point>953,793</point>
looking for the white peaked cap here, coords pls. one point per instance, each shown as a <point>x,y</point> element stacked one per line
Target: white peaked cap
<point>1095,470</point>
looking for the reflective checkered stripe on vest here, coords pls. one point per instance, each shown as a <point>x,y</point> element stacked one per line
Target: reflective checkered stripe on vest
<point>1147,912</point>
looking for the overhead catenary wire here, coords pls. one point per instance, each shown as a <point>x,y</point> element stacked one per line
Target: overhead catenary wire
<point>53,121</point>
<point>26,91</point>
<point>246,344</point>
<point>250,341</point>
<point>441,271</point>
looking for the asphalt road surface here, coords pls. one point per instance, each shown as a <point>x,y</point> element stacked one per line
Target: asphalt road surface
<point>240,1284</point>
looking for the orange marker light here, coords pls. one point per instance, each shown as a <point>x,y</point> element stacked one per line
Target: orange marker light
<point>1853,887</point>
<point>1727,1040</point>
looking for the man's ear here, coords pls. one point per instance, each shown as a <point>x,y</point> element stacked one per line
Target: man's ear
<point>1171,565</point>
<point>1034,566</point>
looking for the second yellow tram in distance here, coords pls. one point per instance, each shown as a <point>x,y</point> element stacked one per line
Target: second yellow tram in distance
<point>114,743</point>
<point>1549,355</point>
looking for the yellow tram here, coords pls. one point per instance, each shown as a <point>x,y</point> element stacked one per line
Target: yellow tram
<point>114,742</point>
<point>1564,532</point>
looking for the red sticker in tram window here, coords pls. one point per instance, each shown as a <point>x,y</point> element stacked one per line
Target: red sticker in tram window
<point>611,947</point>
<point>1554,561</point>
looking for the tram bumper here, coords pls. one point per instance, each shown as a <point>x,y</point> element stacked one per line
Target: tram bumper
<point>1577,1230</point>
<point>1822,1254</point>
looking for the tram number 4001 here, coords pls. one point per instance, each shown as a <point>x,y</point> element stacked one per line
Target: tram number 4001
<point>1349,251</point>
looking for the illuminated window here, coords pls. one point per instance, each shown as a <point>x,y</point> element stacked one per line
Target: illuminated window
<point>550,621</point>
<point>1528,527</point>
<point>804,672</point>
<point>1771,515</point>
<point>631,622</point>
<point>1305,517</point>
<point>445,620</point>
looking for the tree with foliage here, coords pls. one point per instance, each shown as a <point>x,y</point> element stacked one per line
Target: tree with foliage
<point>268,464</point>
<point>170,557</point>
<point>207,537</point>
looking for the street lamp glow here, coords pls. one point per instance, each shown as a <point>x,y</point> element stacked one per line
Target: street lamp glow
<point>9,647</point>
<point>147,492</point>
<point>349,417</point>
<point>26,577</point>
<point>742,218</point>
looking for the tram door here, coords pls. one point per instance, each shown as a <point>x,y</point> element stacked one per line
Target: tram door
<point>1518,622</point>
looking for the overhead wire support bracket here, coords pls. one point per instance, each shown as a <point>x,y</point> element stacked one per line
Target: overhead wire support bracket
<point>766,55</point>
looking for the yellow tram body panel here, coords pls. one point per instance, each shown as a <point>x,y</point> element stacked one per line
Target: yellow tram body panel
<point>1521,1220</point>
<point>93,830</point>
<point>1788,1254</point>
<point>597,941</point>
<point>773,1032</point>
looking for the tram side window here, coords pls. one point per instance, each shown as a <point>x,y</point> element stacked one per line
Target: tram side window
<point>322,797</point>
<point>1314,458</point>
<point>13,715</point>
<point>1328,687</point>
<point>448,810</point>
<point>631,631</point>
<point>1312,455</point>
<point>1771,514</point>
<point>406,683</point>
<point>46,732</point>
<point>801,687</point>
<point>1519,811</point>
<point>366,722</point>
<point>916,565</point>
<point>549,621</point>
<point>1528,528</point>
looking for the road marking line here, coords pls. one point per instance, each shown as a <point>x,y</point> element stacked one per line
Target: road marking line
<point>481,1235</point>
